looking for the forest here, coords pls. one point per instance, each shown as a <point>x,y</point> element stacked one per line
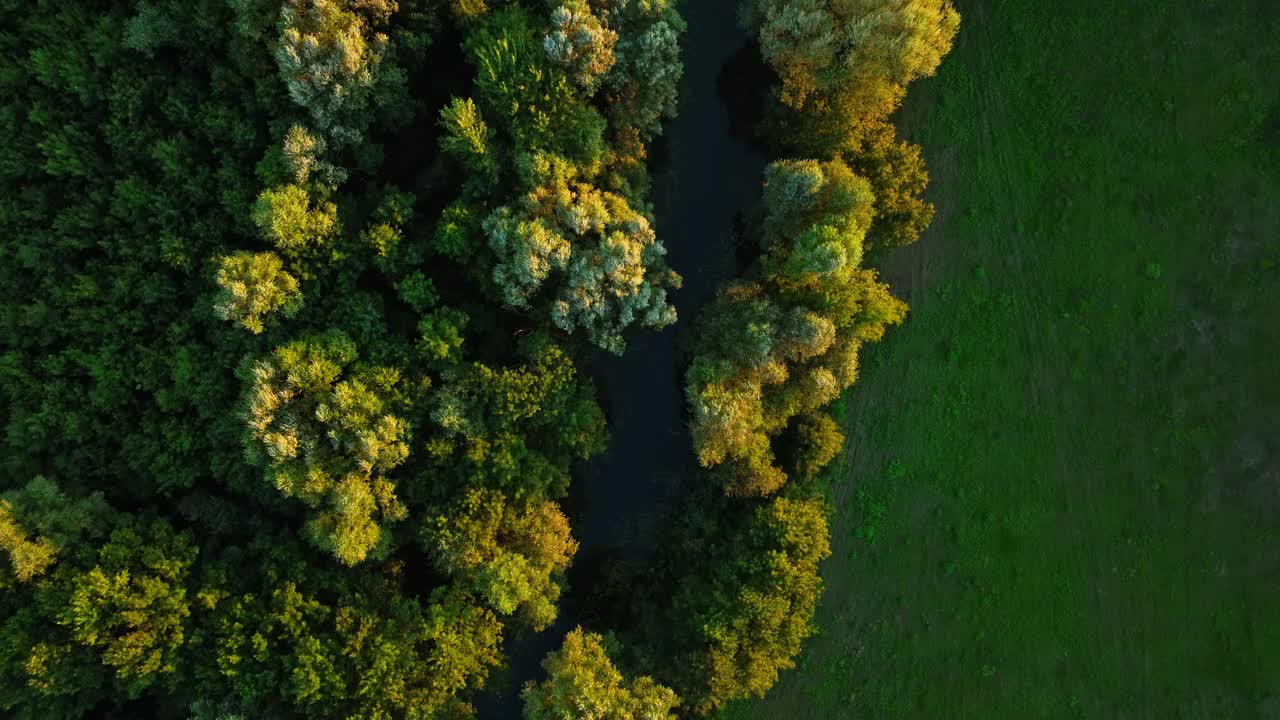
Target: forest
<point>302,308</point>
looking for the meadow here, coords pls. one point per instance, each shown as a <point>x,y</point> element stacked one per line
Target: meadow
<point>1061,491</point>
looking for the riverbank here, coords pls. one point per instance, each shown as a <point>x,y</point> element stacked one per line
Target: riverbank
<point>1060,493</point>
<point>706,179</point>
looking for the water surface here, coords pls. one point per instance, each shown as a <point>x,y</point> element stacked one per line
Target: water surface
<point>706,180</point>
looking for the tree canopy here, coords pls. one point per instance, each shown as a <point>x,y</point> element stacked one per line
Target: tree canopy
<point>301,306</point>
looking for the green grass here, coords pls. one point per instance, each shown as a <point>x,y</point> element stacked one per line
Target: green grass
<point>1061,496</point>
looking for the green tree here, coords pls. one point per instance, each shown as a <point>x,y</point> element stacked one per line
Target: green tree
<point>131,606</point>
<point>517,83</point>
<point>42,510</point>
<point>642,86</point>
<point>329,58</point>
<point>466,136</point>
<point>514,557</point>
<point>840,46</point>
<point>515,428</point>
<point>106,618</point>
<point>286,218</point>
<point>613,266</point>
<point>326,436</point>
<point>253,287</point>
<point>745,620</point>
<point>307,642</point>
<point>581,43</point>
<point>583,683</point>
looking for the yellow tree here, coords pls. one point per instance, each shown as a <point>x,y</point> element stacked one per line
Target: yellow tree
<point>830,47</point>
<point>328,436</point>
<point>583,683</point>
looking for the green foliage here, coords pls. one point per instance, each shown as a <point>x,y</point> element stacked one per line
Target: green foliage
<point>612,263</point>
<point>149,29</point>
<point>286,218</point>
<point>467,136</point>
<point>517,83</point>
<point>440,335</point>
<point>327,436</point>
<point>322,646</point>
<point>511,556</point>
<point>113,615</point>
<point>255,285</point>
<point>787,345</point>
<point>111,375</point>
<point>516,428</point>
<point>329,59</point>
<point>583,683</point>
<point>418,292</point>
<point>385,232</point>
<point>40,509</point>
<point>743,622</point>
<point>642,85</point>
<point>147,147</point>
<point>131,607</point>
<point>828,47</point>
<point>457,233</point>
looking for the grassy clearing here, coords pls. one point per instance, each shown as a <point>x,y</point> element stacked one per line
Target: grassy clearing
<point>1062,491</point>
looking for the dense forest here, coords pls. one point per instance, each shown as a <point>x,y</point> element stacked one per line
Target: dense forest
<point>298,309</point>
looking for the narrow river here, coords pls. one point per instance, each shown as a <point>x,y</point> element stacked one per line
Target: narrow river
<point>708,179</point>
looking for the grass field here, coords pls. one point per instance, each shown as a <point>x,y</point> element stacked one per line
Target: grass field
<point>1061,496</point>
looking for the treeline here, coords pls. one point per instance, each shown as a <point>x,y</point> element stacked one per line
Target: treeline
<point>290,398</point>
<point>294,301</point>
<point>725,608</point>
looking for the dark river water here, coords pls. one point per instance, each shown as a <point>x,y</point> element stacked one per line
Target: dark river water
<point>704,182</point>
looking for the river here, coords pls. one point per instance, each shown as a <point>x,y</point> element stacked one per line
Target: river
<point>708,179</point>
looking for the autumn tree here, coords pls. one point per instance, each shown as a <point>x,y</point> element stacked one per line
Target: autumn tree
<point>612,265</point>
<point>898,178</point>
<point>28,556</point>
<point>580,43</point>
<point>828,47</point>
<point>582,682</point>
<point>254,286</point>
<point>512,556</point>
<point>786,345</point>
<point>329,58</point>
<point>515,428</point>
<point>818,441</point>
<point>746,619</point>
<point>288,219</point>
<point>326,431</point>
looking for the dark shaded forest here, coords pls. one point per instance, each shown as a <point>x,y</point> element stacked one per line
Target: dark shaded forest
<point>301,308</point>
